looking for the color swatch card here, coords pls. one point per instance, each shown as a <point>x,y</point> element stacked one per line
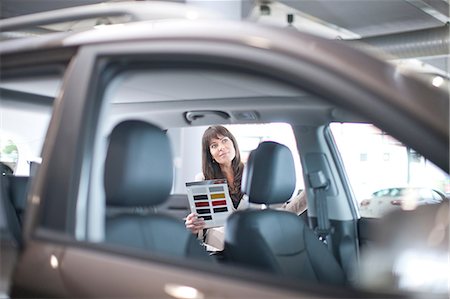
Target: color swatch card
<point>210,200</point>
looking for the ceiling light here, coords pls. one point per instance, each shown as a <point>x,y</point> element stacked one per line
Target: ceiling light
<point>437,81</point>
<point>183,292</point>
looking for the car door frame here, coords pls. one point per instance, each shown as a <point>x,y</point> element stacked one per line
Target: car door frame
<point>67,152</point>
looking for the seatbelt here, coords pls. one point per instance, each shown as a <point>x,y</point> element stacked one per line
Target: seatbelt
<point>320,185</point>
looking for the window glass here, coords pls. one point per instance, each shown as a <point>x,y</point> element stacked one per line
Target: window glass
<point>26,107</point>
<point>385,174</point>
<point>183,102</point>
<point>8,155</point>
<point>187,155</point>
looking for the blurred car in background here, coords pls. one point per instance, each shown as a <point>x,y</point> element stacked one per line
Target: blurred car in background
<point>407,198</point>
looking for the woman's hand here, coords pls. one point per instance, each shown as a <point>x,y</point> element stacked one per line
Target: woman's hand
<point>298,204</point>
<point>194,223</point>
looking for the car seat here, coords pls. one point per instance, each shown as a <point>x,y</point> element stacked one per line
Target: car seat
<point>276,241</point>
<point>138,176</point>
<point>13,200</point>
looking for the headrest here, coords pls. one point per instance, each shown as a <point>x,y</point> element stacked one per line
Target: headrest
<point>138,166</point>
<point>269,176</point>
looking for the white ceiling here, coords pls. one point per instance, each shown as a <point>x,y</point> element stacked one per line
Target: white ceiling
<point>375,17</point>
<point>369,19</point>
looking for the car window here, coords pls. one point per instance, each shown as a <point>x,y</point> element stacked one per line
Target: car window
<point>26,107</point>
<point>385,175</point>
<point>150,95</point>
<point>9,155</point>
<point>144,94</point>
<point>176,98</point>
<point>187,155</point>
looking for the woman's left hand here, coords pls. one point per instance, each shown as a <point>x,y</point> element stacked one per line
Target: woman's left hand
<point>194,223</point>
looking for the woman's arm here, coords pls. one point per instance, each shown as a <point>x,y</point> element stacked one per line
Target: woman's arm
<point>297,205</point>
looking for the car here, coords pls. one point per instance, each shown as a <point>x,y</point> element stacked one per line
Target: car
<point>108,124</point>
<point>407,198</point>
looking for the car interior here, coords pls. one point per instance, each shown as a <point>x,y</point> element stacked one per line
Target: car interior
<point>276,242</point>
<point>147,137</point>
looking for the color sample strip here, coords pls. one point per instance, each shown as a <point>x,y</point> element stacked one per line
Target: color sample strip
<point>201,197</point>
<point>198,190</point>
<point>216,189</point>
<point>220,210</point>
<point>203,211</point>
<point>217,195</point>
<point>210,200</point>
<point>219,202</point>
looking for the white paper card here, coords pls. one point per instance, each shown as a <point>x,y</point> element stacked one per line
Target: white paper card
<point>211,200</point>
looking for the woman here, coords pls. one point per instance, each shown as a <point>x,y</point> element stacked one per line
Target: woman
<point>221,159</point>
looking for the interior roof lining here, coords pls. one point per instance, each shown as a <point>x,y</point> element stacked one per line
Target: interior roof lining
<point>304,110</point>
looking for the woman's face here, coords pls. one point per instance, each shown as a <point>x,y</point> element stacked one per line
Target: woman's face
<point>222,150</point>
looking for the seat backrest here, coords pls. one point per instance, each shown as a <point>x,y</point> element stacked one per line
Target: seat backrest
<point>18,188</point>
<point>274,240</point>
<point>138,177</point>
<point>177,205</point>
<point>13,200</point>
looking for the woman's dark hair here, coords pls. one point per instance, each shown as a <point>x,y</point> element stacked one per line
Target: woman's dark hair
<point>211,169</point>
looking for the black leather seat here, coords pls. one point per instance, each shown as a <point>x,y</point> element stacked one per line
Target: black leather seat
<point>138,176</point>
<point>276,241</point>
<point>13,200</point>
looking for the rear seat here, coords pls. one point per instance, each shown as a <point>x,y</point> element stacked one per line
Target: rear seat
<point>13,196</point>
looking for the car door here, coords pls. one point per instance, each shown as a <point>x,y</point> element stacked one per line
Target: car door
<point>28,87</point>
<point>63,223</point>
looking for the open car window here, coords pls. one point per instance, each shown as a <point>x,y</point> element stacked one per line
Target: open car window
<point>203,96</point>
<point>182,101</point>
<point>386,175</point>
<point>26,107</point>
<point>149,95</point>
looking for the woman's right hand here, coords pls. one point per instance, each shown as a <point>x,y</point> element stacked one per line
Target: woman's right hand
<point>194,223</point>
